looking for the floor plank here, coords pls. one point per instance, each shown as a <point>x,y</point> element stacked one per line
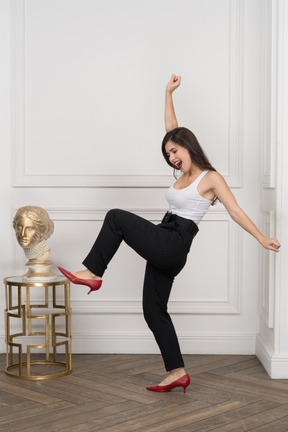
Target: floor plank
<point>107,392</point>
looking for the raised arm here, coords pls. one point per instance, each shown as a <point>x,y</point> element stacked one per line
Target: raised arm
<point>223,192</point>
<point>170,117</point>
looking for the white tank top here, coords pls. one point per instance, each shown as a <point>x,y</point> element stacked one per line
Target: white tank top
<point>187,202</point>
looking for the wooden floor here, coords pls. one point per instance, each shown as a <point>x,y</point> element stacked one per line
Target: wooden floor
<point>107,393</point>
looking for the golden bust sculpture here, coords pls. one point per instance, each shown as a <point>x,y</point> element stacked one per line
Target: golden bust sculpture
<point>33,227</point>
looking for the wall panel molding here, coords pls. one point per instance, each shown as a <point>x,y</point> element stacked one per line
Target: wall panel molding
<point>236,91</point>
<point>270,70</point>
<point>227,305</point>
<point>21,177</point>
<point>267,295</point>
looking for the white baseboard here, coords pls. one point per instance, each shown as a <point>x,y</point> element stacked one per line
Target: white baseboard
<point>264,353</point>
<point>2,344</point>
<point>218,343</point>
<point>276,365</point>
<point>144,343</point>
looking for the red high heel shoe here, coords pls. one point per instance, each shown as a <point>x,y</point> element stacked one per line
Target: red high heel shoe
<point>94,285</point>
<point>181,382</point>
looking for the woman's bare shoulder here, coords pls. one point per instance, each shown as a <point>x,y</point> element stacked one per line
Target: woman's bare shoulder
<point>214,176</point>
<point>215,181</point>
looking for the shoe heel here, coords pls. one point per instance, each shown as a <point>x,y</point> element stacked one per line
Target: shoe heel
<point>93,289</point>
<point>187,383</point>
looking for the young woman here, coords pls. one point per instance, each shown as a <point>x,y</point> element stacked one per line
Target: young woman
<point>165,246</point>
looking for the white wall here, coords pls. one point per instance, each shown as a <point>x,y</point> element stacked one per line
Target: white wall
<point>82,100</point>
<point>272,340</point>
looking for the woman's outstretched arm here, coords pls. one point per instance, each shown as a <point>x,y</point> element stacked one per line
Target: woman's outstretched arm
<point>170,117</point>
<point>223,192</point>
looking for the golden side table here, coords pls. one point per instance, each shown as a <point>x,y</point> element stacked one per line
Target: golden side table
<point>37,319</point>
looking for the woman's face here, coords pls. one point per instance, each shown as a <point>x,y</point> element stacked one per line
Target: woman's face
<point>178,156</point>
<point>27,233</point>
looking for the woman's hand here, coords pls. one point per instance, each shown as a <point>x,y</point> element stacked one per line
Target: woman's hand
<point>271,244</point>
<point>174,82</point>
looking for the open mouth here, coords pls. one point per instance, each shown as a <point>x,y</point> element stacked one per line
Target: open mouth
<point>179,165</point>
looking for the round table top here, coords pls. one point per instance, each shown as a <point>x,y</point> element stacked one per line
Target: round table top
<point>22,281</point>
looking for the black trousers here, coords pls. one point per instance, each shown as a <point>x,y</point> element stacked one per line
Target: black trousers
<point>165,248</point>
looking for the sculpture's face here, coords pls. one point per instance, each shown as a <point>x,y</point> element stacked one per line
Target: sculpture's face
<point>26,232</point>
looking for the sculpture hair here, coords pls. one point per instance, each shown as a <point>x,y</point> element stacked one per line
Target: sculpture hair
<point>39,216</point>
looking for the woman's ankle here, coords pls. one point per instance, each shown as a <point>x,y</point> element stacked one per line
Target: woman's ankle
<point>177,373</point>
<point>91,275</point>
<point>86,274</point>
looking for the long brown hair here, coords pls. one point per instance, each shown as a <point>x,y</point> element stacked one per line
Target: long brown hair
<point>185,138</point>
